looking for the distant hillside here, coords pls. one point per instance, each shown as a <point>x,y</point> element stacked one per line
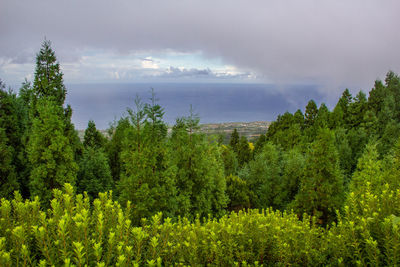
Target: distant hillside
<point>249,129</point>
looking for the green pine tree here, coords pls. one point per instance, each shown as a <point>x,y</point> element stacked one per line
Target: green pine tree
<point>48,76</point>
<point>310,113</point>
<point>369,170</point>
<point>8,181</point>
<point>147,181</point>
<point>234,141</point>
<point>93,138</point>
<point>238,193</point>
<point>49,151</point>
<point>200,179</point>
<point>94,174</point>
<point>243,151</point>
<point>321,186</point>
<point>264,177</point>
<point>114,147</point>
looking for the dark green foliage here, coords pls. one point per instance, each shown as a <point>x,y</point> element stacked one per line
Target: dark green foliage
<point>13,120</point>
<point>154,126</point>
<point>347,160</point>
<point>390,135</point>
<point>293,165</point>
<point>93,138</point>
<point>243,151</point>
<point>49,152</point>
<point>391,166</point>
<point>9,141</point>
<point>356,111</point>
<point>287,130</point>
<point>72,134</point>
<point>344,103</point>
<point>94,174</point>
<point>322,118</point>
<point>8,181</point>
<point>230,160</point>
<point>336,119</point>
<point>264,177</point>
<point>200,179</point>
<point>298,117</point>
<point>115,145</point>
<point>234,141</point>
<point>262,139</point>
<point>238,193</point>
<point>321,185</point>
<point>147,180</point>
<point>310,114</point>
<point>369,172</point>
<point>48,76</point>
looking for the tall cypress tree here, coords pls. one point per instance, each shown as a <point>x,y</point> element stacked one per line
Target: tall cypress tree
<point>147,180</point>
<point>10,141</point>
<point>200,179</point>
<point>243,151</point>
<point>234,141</point>
<point>53,141</point>
<point>93,138</point>
<point>49,151</point>
<point>94,174</point>
<point>8,181</point>
<point>265,176</point>
<point>115,146</point>
<point>48,76</point>
<point>321,185</point>
<point>310,113</point>
<point>48,83</point>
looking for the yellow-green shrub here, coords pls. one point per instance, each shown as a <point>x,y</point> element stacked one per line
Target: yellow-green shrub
<point>74,232</point>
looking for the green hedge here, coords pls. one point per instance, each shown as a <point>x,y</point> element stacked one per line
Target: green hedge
<point>75,232</point>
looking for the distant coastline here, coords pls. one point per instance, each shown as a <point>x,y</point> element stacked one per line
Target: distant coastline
<point>251,130</point>
<point>213,103</point>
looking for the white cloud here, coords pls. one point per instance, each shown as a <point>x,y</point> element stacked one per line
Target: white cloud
<point>149,63</point>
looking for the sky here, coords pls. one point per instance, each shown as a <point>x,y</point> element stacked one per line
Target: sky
<point>333,44</point>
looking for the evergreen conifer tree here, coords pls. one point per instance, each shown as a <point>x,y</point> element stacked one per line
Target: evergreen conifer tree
<point>48,76</point>
<point>147,180</point>
<point>94,174</point>
<point>49,151</point>
<point>93,138</point>
<point>200,179</point>
<point>369,170</point>
<point>234,141</point>
<point>321,186</point>
<point>310,113</point>
<point>115,146</point>
<point>8,181</point>
<point>243,151</point>
<point>264,177</point>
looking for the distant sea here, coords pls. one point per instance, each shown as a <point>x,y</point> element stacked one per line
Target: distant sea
<point>214,103</point>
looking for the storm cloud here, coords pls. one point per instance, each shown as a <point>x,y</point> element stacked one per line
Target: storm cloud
<point>333,43</point>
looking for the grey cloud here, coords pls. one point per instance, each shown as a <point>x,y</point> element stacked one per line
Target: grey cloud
<point>23,58</point>
<point>337,43</point>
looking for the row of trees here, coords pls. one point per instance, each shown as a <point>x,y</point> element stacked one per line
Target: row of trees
<point>304,162</point>
<point>308,161</point>
<point>181,174</point>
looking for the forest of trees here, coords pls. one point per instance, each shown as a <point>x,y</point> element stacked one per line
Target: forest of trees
<point>318,188</point>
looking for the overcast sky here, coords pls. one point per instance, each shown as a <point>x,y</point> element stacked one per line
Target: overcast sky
<point>335,44</point>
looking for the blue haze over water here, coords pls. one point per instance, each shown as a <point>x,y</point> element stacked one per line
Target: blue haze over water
<point>214,103</point>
